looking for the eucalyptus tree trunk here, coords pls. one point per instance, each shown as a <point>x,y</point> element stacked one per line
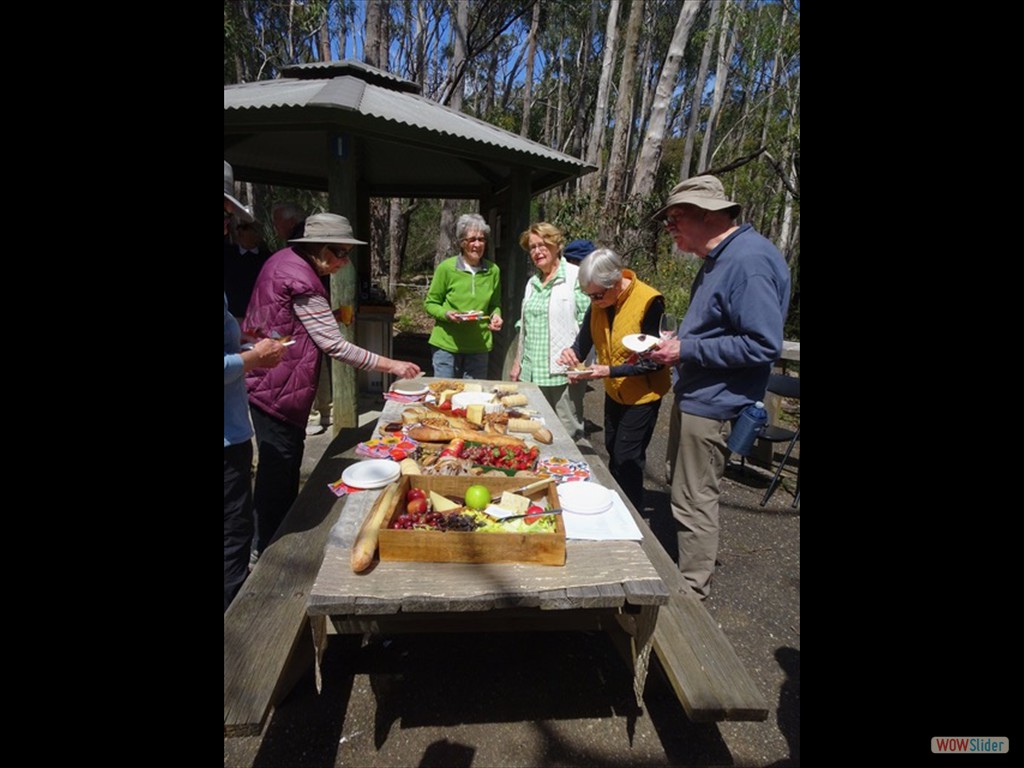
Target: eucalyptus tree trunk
<point>726,47</point>
<point>786,239</point>
<point>531,54</point>
<point>650,152</point>
<point>698,91</point>
<point>623,118</point>
<point>597,131</point>
<point>446,231</point>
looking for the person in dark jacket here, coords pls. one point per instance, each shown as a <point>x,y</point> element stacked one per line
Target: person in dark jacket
<point>723,353</point>
<point>289,303</point>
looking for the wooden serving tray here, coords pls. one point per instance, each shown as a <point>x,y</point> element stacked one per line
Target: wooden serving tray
<point>546,548</point>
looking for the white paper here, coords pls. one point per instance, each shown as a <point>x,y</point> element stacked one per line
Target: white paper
<point>615,524</point>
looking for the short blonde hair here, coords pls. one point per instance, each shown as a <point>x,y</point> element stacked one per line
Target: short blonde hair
<point>549,233</point>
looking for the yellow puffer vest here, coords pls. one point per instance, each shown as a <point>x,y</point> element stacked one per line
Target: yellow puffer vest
<point>630,309</point>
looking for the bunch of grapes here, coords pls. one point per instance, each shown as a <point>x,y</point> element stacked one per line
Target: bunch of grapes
<point>459,522</point>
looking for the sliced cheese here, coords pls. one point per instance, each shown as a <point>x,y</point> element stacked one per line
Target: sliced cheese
<point>441,504</point>
<point>472,388</point>
<point>475,414</point>
<point>515,502</point>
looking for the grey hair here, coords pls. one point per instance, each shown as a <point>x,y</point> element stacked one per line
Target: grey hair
<point>471,221</point>
<point>602,267</point>
<point>289,211</point>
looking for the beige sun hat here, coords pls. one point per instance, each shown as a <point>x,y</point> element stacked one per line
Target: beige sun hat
<point>229,192</point>
<point>705,192</point>
<point>328,228</point>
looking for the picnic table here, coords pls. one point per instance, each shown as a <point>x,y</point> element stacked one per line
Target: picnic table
<point>609,584</point>
<point>299,592</point>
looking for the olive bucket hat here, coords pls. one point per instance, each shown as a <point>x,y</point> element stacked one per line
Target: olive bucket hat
<point>241,211</point>
<point>328,228</point>
<point>705,192</point>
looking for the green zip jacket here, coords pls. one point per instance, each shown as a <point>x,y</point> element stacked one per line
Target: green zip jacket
<point>455,288</point>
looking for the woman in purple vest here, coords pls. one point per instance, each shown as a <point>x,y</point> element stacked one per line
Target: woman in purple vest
<point>289,302</point>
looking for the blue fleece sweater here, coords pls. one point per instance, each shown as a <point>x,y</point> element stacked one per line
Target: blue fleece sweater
<point>732,332</point>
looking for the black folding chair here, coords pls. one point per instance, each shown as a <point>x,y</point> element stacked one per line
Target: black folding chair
<point>788,387</point>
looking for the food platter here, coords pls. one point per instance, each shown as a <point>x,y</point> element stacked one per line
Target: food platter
<point>475,315</point>
<point>371,474</point>
<point>584,498</point>
<point>640,342</point>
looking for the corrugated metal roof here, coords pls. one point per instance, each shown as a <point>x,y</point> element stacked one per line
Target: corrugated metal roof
<point>369,100</point>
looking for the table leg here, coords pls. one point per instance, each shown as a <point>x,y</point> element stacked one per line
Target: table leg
<point>318,627</point>
<point>639,624</point>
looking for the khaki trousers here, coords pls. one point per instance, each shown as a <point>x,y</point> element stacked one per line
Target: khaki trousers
<point>695,464</point>
<point>567,402</point>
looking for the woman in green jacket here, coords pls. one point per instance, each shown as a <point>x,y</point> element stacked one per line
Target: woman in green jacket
<point>463,299</point>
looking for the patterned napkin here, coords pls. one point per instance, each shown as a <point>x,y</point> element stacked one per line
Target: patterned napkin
<point>564,470</point>
<point>395,447</point>
<point>398,397</point>
<point>339,489</point>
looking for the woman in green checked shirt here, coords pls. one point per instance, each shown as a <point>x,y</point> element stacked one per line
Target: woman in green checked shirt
<point>553,308</point>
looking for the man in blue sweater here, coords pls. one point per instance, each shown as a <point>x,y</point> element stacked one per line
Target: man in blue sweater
<point>726,345</point>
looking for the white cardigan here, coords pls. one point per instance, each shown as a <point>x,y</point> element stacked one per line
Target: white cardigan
<point>562,324</point>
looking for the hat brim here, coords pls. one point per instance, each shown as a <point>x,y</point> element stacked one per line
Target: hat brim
<point>707,203</point>
<point>331,240</point>
<point>240,210</point>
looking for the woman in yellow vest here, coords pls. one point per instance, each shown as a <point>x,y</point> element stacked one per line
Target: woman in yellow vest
<point>621,305</point>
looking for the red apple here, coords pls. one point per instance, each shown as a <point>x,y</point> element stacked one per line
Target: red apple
<point>415,493</point>
<point>416,507</point>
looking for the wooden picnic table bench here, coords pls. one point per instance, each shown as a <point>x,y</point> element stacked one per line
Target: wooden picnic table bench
<point>269,643</point>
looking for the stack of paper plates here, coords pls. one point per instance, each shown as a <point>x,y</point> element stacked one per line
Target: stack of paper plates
<point>372,473</point>
<point>584,498</point>
<point>410,387</point>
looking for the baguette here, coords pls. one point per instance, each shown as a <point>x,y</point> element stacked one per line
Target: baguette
<point>442,435</point>
<point>365,544</point>
<point>510,401</point>
<point>540,433</point>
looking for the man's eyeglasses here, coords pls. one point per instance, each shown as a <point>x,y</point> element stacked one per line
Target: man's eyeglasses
<point>243,225</point>
<point>474,239</point>
<point>672,223</point>
<point>227,215</point>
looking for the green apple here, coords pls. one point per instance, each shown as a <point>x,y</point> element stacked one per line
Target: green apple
<point>477,497</point>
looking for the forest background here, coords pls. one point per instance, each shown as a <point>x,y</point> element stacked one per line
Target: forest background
<point>650,91</point>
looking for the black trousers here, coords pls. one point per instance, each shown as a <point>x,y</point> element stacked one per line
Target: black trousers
<point>627,433</point>
<point>238,517</point>
<point>279,447</point>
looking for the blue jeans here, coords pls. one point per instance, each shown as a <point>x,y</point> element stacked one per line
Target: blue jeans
<point>452,365</point>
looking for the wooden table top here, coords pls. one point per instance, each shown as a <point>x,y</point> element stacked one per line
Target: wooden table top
<point>596,574</point>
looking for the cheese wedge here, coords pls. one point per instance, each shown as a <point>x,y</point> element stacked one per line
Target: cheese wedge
<point>475,414</point>
<point>472,388</point>
<point>515,502</point>
<point>441,504</point>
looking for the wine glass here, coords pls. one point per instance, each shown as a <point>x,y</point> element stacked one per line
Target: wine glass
<point>669,326</point>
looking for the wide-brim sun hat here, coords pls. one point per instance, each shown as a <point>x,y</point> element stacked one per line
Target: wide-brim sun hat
<point>229,193</point>
<point>577,250</point>
<point>328,228</point>
<point>705,192</point>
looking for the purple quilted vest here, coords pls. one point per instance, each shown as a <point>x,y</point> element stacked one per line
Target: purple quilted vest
<point>288,390</point>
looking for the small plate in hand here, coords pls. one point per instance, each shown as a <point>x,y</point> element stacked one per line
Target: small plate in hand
<point>640,342</point>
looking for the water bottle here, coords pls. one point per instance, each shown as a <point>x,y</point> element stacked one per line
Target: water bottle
<point>746,428</point>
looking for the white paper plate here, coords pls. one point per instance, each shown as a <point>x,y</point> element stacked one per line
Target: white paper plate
<point>371,473</point>
<point>584,498</point>
<point>410,387</point>
<point>635,343</point>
